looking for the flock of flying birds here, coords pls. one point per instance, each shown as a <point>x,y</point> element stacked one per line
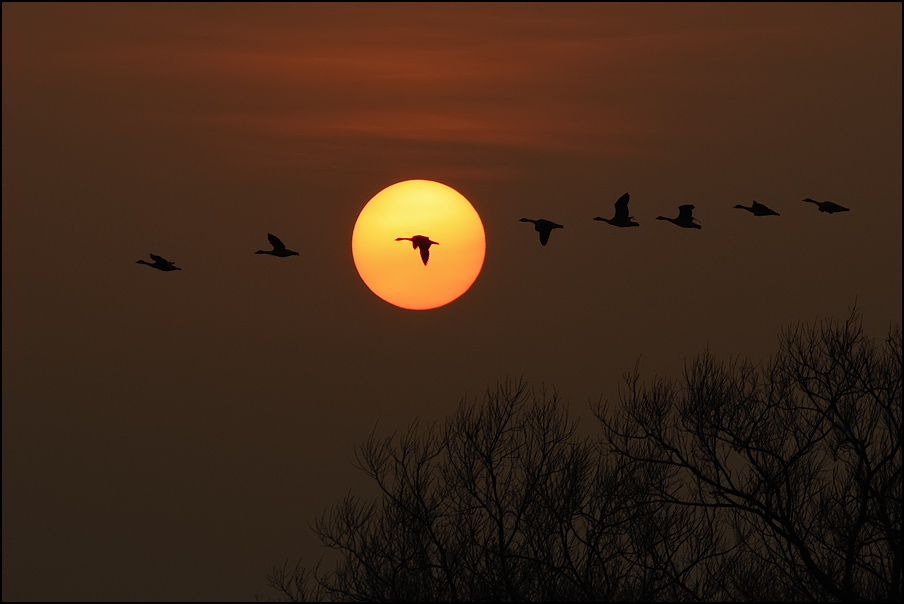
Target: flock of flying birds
<point>685,219</point>
<point>279,249</point>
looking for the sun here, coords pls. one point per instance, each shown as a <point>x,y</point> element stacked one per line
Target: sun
<point>392,224</point>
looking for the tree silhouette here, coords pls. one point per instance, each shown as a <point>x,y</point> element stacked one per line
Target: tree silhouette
<point>798,459</point>
<point>776,481</point>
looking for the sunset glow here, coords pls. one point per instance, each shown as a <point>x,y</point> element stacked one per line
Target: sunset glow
<point>393,270</point>
<point>192,189</point>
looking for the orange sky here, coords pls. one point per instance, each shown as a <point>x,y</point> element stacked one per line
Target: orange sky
<point>168,436</point>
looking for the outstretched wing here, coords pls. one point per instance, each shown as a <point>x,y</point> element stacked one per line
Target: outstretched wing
<point>276,243</point>
<point>425,253</point>
<point>159,259</point>
<point>685,212</point>
<point>763,209</point>
<point>544,235</point>
<point>621,207</point>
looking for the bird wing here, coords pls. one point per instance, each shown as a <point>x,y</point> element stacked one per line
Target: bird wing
<point>764,209</point>
<point>159,259</point>
<point>544,235</point>
<point>621,207</point>
<point>275,242</point>
<point>425,253</point>
<point>685,212</point>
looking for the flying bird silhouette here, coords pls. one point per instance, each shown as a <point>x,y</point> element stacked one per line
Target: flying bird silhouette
<point>160,263</point>
<point>758,209</point>
<point>621,218</point>
<point>422,242</point>
<point>544,227</point>
<point>279,248</point>
<point>828,206</point>
<point>685,217</point>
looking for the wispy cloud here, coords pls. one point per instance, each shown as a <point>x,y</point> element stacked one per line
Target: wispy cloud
<point>574,79</point>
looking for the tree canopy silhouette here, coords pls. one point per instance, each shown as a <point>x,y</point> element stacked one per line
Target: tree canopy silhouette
<point>738,481</point>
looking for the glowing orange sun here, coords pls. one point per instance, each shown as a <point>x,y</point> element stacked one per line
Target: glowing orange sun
<point>390,226</point>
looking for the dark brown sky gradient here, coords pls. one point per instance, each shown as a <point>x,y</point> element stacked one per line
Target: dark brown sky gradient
<point>168,436</point>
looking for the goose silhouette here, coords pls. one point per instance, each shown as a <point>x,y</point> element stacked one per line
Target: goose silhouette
<point>544,227</point>
<point>422,242</point>
<point>685,217</point>
<point>758,209</point>
<point>621,218</point>
<point>827,206</point>
<point>279,248</point>
<point>160,263</point>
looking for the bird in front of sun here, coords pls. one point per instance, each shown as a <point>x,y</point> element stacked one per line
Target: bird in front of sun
<point>621,218</point>
<point>685,217</point>
<point>160,263</point>
<point>279,248</point>
<point>422,242</point>
<point>758,209</point>
<point>829,207</point>
<point>544,227</point>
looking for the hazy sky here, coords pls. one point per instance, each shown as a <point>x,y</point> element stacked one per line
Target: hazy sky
<point>169,436</point>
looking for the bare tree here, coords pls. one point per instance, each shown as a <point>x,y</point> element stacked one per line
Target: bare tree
<point>503,502</point>
<point>777,481</point>
<point>798,458</point>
